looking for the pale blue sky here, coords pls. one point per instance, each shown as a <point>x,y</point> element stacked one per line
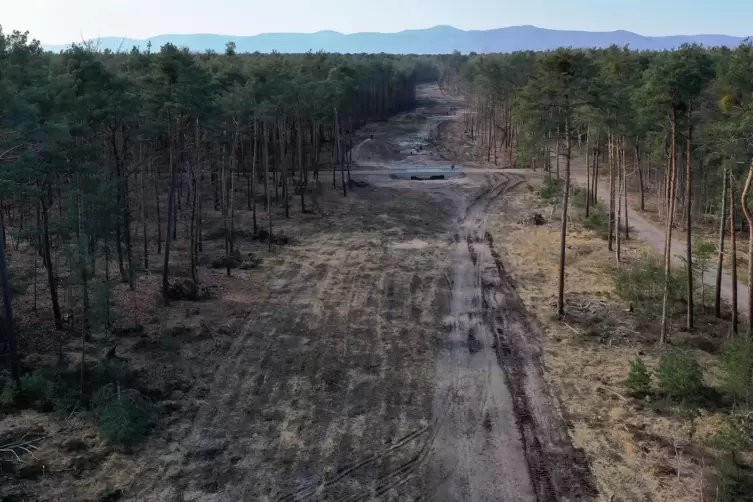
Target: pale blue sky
<point>58,21</point>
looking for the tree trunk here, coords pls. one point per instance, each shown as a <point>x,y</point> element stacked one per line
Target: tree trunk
<point>266,181</point>
<point>672,187</point>
<point>563,230</point>
<point>127,229</point>
<point>159,217</point>
<point>720,258</point>
<point>10,330</point>
<point>595,178</point>
<point>588,169</point>
<point>640,174</point>
<point>619,169</point>
<point>625,189</point>
<point>733,249</point>
<point>746,210</point>
<point>689,224</point>
<point>557,151</point>
<point>170,220</point>
<point>143,218</point>
<point>252,196</point>
<point>610,161</point>
<point>48,262</point>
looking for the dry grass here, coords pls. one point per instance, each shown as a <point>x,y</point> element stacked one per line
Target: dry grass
<point>637,453</point>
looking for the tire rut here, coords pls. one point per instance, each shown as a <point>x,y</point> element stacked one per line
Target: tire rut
<point>499,441</point>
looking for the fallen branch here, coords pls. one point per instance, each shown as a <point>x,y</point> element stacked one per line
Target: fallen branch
<point>617,394</point>
<point>574,330</point>
<point>22,447</point>
<point>449,282</point>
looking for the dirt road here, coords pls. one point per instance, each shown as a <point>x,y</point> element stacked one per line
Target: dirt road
<point>646,231</point>
<point>390,359</point>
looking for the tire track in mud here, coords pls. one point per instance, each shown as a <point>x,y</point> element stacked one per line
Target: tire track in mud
<point>497,413</point>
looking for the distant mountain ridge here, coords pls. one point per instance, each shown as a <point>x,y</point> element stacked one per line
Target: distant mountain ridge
<point>436,40</point>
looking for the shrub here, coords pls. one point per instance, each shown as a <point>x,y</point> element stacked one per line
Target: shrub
<point>8,397</point>
<point>643,281</point>
<point>680,375</point>
<point>551,189</point>
<point>39,389</point>
<point>639,378</point>
<point>733,484</point>
<point>597,221</point>
<point>730,437</point>
<point>737,369</point>
<point>124,416</point>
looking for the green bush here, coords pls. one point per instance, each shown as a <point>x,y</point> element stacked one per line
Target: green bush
<point>124,416</point>
<point>680,376</point>
<point>40,388</point>
<point>732,484</point>
<point>597,221</point>
<point>639,378</point>
<point>8,397</point>
<point>731,437</point>
<point>551,189</point>
<point>643,281</point>
<point>737,369</point>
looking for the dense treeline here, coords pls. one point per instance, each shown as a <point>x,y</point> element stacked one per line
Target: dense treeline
<point>676,125</point>
<point>111,157</point>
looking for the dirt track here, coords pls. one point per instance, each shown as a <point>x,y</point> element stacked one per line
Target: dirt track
<point>390,360</point>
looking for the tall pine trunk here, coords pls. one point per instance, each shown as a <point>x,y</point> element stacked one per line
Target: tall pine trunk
<point>170,219</point>
<point>689,223</point>
<point>10,330</point>
<point>672,187</point>
<point>563,229</point>
<point>746,210</point>
<point>733,249</point>
<point>720,258</point>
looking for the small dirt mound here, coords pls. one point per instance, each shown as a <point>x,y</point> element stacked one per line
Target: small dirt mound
<point>233,260</point>
<point>374,152</point>
<point>533,219</point>
<point>262,235</point>
<point>187,290</point>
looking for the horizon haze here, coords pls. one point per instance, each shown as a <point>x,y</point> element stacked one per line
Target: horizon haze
<point>64,23</point>
<point>435,40</point>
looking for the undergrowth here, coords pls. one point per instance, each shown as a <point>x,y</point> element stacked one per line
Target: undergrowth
<point>110,392</point>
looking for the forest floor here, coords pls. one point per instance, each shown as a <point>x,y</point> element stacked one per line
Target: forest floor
<point>645,225</point>
<point>382,354</point>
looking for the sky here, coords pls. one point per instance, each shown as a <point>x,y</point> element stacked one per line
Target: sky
<point>62,22</point>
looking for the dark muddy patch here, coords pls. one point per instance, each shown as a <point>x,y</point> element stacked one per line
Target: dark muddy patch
<point>558,470</point>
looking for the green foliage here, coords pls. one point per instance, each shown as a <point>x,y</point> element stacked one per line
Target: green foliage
<point>642,282</point>
<point>737,369</point>
<point>732,484</point>
<point>680,376</point>
<point>124,416</point>
<point>639,378</point>
<point>40,389</point>
<point>731,436</point>
<point>8,397</point>
<point>551,189</point>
